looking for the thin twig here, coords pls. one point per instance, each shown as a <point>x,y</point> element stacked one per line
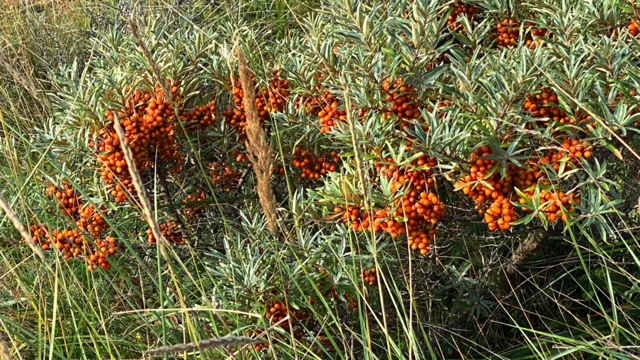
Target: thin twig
<point>18,224</point>
<point>207,344</point>
<point>594,116</point>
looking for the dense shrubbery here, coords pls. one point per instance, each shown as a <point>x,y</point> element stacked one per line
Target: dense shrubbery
<point>451,180</point>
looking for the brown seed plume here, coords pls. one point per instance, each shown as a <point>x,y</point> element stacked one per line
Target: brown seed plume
<point>257,148</point>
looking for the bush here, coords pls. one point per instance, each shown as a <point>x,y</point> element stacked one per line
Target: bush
<point>438,180</point>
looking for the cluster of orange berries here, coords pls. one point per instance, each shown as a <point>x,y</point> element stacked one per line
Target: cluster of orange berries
<point>420,208</point>
<point>224,175</point>
<point>634,29</point>
<point>194,210</point>
<point>402,101</point>
<point>535,40</point>
<point>369,276</point>
<point>541,105</point>
<point>277,311</point>
<point>200,118</point>
<point>274,98</point>
<point>67,199</point>
<point>499,190</point>
<point>72,243</point>
<point>554,203</point>
<point>105,248</point>
<point>313,167</point>
<point>460,9</point>
<point>508,32</point>
<point>493,188</point>
<point>327,109</point>
<point>170,232</point>
<point>149,125</point>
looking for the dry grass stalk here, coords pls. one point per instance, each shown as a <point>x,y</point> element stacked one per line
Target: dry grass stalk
<point>27,83</point>
<point>258,150</point>
<point>4,350</point>
<point>137,183</point>
<point>154,66</point>
<point>207,344</point>
<point>18,224</point>
<point>356,144</point>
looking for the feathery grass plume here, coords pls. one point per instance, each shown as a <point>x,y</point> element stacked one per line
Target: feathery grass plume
<point>18,224</point>
<point>137,183</point>
<point>207,344</point>
<point>4,350</point>
<point>258,150</point>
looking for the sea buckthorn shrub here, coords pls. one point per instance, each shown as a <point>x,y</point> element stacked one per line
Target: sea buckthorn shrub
<point>446,176</point>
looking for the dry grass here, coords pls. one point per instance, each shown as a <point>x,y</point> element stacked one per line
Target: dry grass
<point>258,152</point>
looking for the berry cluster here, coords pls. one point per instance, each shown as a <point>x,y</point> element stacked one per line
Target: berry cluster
<point>507,33</point>
<point>277,311</point>
<point>193,211</point>
<point>200,117</point>
<point>149,125</point>
<point>542,105</point>
<point>554,204</point>
<point>313,167</point>
<point>327,110</point>
<point>369,276</point>
<point>535,40</point>
<point>634,29</point>
<point>76,242</point>
<point>270,100</point>
<point>170,232</point>
<point>460,9</point>
<point>402,101</point>
<point>224,175</point>
<point>273,99</point>
<point>418,208</point>
<point>485,186</point>
<point>326,283</point>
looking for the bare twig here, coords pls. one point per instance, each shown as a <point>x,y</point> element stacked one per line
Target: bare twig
<point>258,150</point>
<point>18,224</point>
<point>207,344</point>
<point>241,181</point>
